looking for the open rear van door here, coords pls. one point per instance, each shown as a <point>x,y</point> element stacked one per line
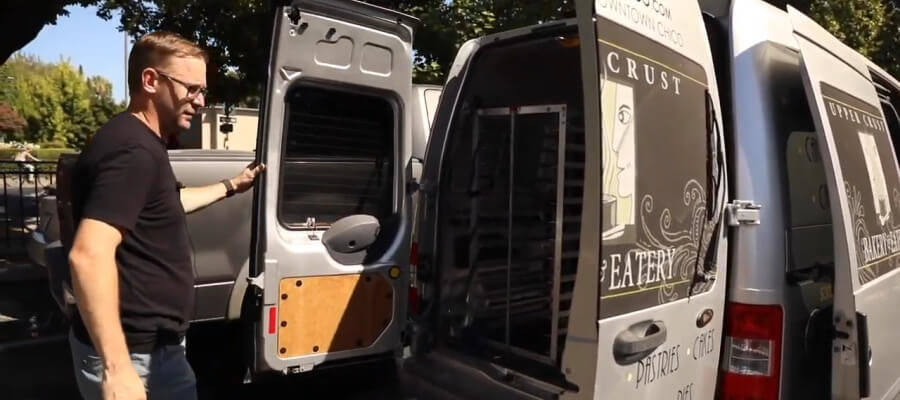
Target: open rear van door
<point>331,243</point>
<point>663,244</point>
<point>864,192</point>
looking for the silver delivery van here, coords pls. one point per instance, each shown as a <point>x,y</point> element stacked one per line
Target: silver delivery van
<point>660,200</point>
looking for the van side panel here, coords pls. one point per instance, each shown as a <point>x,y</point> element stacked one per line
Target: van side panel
<point>765,67</point>
<point>761,42</point>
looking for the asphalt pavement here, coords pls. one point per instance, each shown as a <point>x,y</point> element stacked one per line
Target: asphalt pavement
<point>30,367</point>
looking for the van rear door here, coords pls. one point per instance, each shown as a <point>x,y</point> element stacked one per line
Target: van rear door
<point>663,247</point>
<point>864,192</point>
<point>331,244</point>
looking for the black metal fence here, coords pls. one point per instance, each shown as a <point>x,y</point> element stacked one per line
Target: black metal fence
<point>25,184</point>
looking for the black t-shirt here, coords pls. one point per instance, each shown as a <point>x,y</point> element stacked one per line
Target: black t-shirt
<point>124,179</point>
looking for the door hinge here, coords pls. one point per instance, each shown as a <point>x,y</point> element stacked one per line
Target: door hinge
<point>743,212</point>
<point>257,281</point>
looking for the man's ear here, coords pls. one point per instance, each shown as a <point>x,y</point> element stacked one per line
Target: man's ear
<point>149,80</point>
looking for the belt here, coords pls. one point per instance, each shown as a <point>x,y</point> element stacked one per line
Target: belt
<point>154,341</point>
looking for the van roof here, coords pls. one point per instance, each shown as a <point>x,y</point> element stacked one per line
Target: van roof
<point>525,30</point>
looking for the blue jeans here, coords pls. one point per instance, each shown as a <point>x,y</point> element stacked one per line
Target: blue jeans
<point>166,372</point>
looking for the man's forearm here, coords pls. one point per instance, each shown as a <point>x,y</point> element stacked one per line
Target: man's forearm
<point>197,198</point>
<point>95,281</point>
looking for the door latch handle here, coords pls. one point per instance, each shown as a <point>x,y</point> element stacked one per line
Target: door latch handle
<point>638,341</point>
<point>742,212</point>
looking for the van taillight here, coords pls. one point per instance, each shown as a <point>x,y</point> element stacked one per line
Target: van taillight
<point>414,299</point>
<point>414,254</point>
<point>273,319</point>
<point>751,359</point>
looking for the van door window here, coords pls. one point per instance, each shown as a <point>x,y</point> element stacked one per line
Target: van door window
<point>655,225</point>
<point>810,237</point>
<point>811,250</point>
<point>893,122</point>
<point>338,157</point>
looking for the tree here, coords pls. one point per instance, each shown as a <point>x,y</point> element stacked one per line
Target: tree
<point>22,20</point>
<point>58,103</point>
<point>859,24</point>
<point>889,57</point>
<point>237,33</point>
<point>871,27</point>
<point>102,106</point>
<point>75,101</point>
<point>11,123</point>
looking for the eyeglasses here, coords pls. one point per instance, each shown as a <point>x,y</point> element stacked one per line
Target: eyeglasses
<point>193,90</point>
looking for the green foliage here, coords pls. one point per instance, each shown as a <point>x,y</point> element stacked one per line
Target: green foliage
<point>857,23</point>
<point>871,27</point>
<point>888,55</point>
<point>58,103</point>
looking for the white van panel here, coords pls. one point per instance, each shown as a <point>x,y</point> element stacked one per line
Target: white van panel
<point>759,23</point>
<point>880,301</point>
<point>686,364</point>
<point>672,23</point>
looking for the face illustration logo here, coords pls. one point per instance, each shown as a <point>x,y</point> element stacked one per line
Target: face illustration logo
<point>876,177</point>
<point>619,169</point>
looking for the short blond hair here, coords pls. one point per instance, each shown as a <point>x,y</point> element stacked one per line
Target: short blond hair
<point>153,49</point>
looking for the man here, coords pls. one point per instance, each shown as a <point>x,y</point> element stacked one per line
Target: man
<point>22,157</point>
<point>131,262</point>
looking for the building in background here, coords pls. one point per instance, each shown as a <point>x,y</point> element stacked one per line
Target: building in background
<point>207,130</point>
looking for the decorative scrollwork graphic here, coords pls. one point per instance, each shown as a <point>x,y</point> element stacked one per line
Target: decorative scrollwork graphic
<point>688,244</point>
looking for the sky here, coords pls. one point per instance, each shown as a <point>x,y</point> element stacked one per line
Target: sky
<point>86,40</point>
